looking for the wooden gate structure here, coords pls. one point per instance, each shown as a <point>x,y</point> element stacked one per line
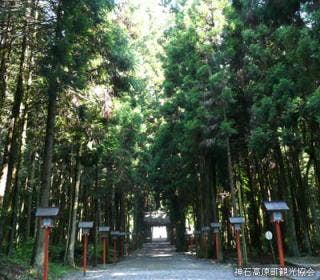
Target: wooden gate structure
<point>155,219</point>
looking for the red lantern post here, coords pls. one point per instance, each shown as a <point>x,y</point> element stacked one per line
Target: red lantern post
<point>103,250</point>
<point>237,222</point>
<point>276,208</point>
<point>206,243</point>
<point>47,214</point>
<point>218,247</point>
<point>46,253</point>
<point>216,238</point>
<point>279,243</point>
<point>85,226</point>
<point>115,235</point>
<point>104,231</point>
<point>84,263</point>
<point>239,252</point>
<point>115,250</point>
<point>121,244</point>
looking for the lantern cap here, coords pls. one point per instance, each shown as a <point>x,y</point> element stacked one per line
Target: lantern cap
<point>276,206</point>
<point>215,225</point>
<point>205,229</point>
<point>47,212</point>
<point>85,225</point>
<point>236,220</point>
<point>104,229</point>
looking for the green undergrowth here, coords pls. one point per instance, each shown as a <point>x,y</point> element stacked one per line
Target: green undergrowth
<point>17,265</point>
<point>17,269</point>
<point>57,270</point>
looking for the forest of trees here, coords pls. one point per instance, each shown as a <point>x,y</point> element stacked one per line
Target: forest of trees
<point>71,120</point>
<point>241,118</point>
<point>109,109</point>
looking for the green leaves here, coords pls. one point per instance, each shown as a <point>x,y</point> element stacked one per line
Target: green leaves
<point>260,141</point>
<point>227,128</point>
<point>313,105</point>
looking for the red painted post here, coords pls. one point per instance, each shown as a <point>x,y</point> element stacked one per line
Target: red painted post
<point>240,261</point>
<point>206,244</point>
<point>46,253</point>
<point>196,244</point>
<point>213,241</point>
<point>218,246</point>
<point>279,243</point>
<point>85,241</point>
<point>114,250</point>
<point>121,247</point>
<point>107,249</point>
<point>104,250</point>
<point>46,215</point>
<point>127,246</point>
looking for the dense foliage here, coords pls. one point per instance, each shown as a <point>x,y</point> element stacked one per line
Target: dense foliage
<point>110,108</point>
<point>240,121</point>
<point>70,122</point>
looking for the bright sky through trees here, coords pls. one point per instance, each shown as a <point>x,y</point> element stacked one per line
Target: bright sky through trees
<point>201,109</point>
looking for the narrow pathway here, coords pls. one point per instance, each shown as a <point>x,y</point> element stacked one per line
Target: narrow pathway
<point>159,261</point>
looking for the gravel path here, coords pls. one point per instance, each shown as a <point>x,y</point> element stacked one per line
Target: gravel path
<point>159,261</point>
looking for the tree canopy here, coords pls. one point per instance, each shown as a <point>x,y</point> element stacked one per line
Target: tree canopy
<point>200,108</point>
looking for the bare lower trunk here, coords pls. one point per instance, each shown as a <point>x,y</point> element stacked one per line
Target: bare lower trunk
<point>244,231</point>
<point>231,179</point>
<point>30,186</point>
<point>14,141</point>
<point>14,215</point>
<point>293,248</point>
<point>46,174</point>
<point>72,237</point>
<point>96,217</point>
<point>303,198</point>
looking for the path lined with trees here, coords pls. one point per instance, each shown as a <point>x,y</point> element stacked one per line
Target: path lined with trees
<point>159,260</point>
<point>200,108</point>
